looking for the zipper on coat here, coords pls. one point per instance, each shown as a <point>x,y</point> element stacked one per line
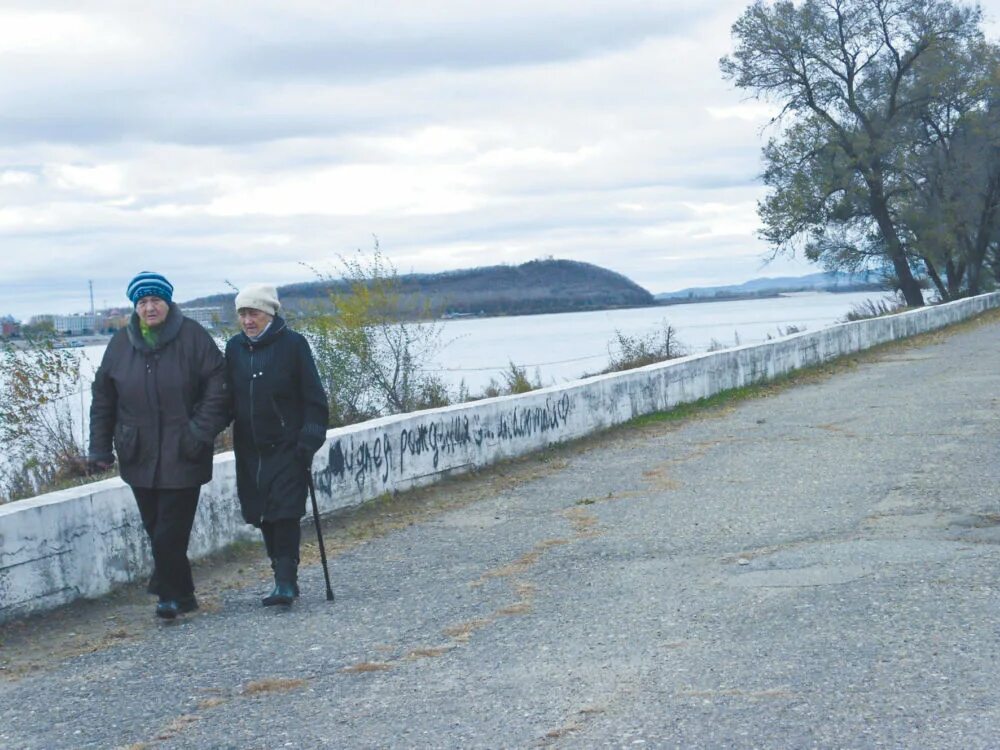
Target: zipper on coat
<point>153,390</point>
<point>277,411</point>
<point>253,431</point>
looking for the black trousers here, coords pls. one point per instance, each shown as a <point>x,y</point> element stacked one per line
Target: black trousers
<point>167,516</point>
<point>282,538</point>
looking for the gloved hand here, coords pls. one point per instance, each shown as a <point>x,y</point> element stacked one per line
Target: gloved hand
<point>98,464</point>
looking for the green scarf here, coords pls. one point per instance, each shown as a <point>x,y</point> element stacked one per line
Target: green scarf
<point>149,335</point>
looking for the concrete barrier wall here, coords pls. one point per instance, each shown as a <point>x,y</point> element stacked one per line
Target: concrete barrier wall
<point>82,542</point>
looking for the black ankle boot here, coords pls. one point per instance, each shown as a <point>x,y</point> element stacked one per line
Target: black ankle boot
<point>285,574</point>
<point>295,575</point>
<point>282,594</point>
<point>167,609</point>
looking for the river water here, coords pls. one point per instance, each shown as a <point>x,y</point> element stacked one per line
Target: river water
<point>566,346</point>
<point>562,347</point>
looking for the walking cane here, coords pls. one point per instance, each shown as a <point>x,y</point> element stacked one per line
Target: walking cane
<point>319,536</point>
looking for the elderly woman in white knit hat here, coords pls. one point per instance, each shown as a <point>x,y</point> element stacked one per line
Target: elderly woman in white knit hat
<point>159,401</point>
<point>281,413</point>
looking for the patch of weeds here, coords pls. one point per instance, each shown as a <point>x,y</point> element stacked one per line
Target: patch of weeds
<point>702,405</point>
<point>871,308</point>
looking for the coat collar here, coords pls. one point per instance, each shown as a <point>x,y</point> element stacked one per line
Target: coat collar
<point>276,329</point>
<point>167,333</point>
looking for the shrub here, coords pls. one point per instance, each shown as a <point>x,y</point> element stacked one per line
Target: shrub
<point>875,309</point>
<point>372,362</point>
<point>43,446</point>
<point>512,381</point>
<point>628,352</point>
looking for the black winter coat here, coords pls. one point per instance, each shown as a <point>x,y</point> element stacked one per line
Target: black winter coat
<point>281,414</point>
<point>161,407</point>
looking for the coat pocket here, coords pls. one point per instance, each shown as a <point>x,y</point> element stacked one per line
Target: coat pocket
<point>126,439</point>
<point>191,447</point>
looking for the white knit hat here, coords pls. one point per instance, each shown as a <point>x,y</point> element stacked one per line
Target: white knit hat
<point>262,297</point>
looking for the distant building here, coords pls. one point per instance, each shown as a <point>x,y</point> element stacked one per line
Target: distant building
<point>207,316</point>
<point>74,325</point>
<point>114,321</point>
<point>9,327</point>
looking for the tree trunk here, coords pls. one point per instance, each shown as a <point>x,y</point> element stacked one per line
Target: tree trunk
<point>894,248</point>
<point>932,272</point>
<point>984,236</point>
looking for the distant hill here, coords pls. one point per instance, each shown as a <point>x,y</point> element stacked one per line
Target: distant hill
<point>539,286</point>
<point>771,286</point>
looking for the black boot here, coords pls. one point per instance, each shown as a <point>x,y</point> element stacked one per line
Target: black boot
<point>167,609</point>
<point>285,574</point>
<point>295,576</point>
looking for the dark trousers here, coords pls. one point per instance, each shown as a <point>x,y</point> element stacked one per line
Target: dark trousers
<point>167,516</point>
<point>281,538</point>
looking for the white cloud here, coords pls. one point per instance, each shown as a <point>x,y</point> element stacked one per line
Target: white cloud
<point>17,178</point>
<point>206,138</point>
<point>62,34</point>
<point>101,179</point>
<point>748,112</point>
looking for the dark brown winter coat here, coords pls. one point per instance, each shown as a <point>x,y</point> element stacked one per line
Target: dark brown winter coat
<point>161,407</point>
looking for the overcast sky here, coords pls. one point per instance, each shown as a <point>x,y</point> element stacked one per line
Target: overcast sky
<point>221,141</point>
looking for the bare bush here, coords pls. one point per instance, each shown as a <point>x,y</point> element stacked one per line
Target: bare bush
<point>512,381</point>
<point>627,352</point>
<point>874,309</point>
<point>42,443</point>
<point>372,360</point>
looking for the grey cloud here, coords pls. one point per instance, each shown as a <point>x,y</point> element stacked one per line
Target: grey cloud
<point>333,57</point>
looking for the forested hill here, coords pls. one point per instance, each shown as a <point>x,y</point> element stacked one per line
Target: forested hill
<point>539,286</point>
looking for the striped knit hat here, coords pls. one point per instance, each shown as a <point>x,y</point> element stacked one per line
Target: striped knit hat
<point>149,284</point>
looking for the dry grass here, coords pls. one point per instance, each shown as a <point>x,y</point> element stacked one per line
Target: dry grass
<point>659,479</point>
<point>573,725</point>
<point>208,703</point>
<point>556,734</point>
<point>367,666</point>
<point>274,685</point>
<point>175,727</point>
<point>517,608</point>
<point>428,652</point>
<point>464,630</point>
<point>584,525</point>
<point>549,543</point>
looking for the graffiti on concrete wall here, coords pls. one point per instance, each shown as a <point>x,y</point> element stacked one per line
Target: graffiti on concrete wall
<point>412,448</point>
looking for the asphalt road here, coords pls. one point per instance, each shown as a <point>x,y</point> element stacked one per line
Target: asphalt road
<point>813,568</point>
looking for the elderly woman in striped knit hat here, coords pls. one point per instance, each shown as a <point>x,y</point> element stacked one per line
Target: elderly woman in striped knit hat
<point>159,399</point>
